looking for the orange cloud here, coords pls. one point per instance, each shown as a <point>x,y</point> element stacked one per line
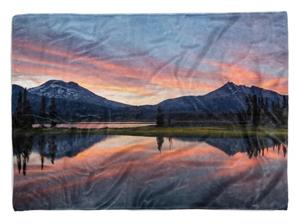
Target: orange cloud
<point>146,81</point>
<point>241,75</point>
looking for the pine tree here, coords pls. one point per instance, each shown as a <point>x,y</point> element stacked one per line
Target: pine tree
<point>249,108</point>
<point>23,116</point>
<point>53,112</point>
<point>285,101</point>
<point>159,118</point>
<point>27,111</point>
<point>255,111</point>
<point>276,112</point>
<point>17,117</point>
<point>241,118</point>
<point>285,110</point>
<point>42,110</point>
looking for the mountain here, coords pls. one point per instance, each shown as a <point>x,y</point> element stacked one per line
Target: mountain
<point>230,98</point>
<point>76,103</point>
<point>73,92</point>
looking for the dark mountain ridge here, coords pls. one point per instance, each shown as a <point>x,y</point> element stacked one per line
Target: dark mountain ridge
<point>228,98</point>
<point>72,91</point>
<point>76,103</point>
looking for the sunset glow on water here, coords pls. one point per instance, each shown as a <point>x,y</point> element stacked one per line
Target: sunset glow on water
<point>191,171</point>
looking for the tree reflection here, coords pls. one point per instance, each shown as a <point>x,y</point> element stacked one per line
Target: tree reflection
<point>22,145</point>
<point>256,145</point>
<point>253,145</point>
<point>42,145</point>
<point>52,148</point>
<point>160,141</point>
<point>170,143</point>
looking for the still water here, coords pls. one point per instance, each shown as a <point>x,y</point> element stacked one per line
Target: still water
<point>90,171</point>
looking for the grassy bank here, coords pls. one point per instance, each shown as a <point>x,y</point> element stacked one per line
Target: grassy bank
<point>166,131</point>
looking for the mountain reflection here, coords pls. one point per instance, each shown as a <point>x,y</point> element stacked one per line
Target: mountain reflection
<point>55,146</point>
<point>51,146</point>
<point>130,171</point>
<point>254,146</point>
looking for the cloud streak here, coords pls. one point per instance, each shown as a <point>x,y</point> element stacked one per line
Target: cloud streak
<point>143,72</point>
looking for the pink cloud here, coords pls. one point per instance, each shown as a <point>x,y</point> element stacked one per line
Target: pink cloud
<point>147,76</point>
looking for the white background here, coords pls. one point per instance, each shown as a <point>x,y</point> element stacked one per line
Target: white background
<point>11,7</point>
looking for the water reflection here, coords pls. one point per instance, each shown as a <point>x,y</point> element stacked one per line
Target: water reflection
<point>51,146</point>
<point>90,171</point>
<point>22,147</point>
<point>70,144</point>
<point>160,142</point>
<point>254,146</point>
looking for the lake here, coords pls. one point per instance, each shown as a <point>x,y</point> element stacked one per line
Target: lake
<point>92,171</point>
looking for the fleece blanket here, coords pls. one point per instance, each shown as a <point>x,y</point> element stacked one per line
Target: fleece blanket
<point>150,111</point>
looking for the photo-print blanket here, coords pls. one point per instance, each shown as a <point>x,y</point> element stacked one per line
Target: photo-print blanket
<point>150,111</point>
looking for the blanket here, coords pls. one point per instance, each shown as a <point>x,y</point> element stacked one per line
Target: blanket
<point>150,111</point>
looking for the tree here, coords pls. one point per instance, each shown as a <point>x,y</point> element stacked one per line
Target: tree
<point>160,118</point>
<point>53,112</point>
<point>27,111</point>
<point>23,115</point>
<point>285,101</point>
<point>255,111</point>
<point>42,110</point>
<point>241,118</point>
<point>169,120</point>
<point>275,107</point>
<point>284,108</point>
<point>249,108</point>
<point>18,114</point>
<point>107,114</point>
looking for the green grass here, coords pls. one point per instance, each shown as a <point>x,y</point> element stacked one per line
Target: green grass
<point>167,131</point>
<point>196,131</point>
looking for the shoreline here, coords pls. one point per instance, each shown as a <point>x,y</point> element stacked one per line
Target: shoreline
<point>154,131</point>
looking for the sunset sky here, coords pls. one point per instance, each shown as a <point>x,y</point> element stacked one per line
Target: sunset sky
<point>144,59</point>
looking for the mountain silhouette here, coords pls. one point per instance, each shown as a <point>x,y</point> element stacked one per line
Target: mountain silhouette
<point>76,103</point>
<point>228,98</point>
<point>71,91</point>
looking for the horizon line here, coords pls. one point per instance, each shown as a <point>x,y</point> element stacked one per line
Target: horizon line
<point>228,82</point>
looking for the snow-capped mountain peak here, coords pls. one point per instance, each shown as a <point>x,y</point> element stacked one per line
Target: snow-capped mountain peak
<point>71,91</point>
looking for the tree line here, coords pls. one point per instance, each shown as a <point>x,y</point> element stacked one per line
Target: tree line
<point>262,111</point>
<point>259,111</point>
<point>24,117</point>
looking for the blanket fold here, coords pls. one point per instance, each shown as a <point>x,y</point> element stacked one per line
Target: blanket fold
<point>150,111</point>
